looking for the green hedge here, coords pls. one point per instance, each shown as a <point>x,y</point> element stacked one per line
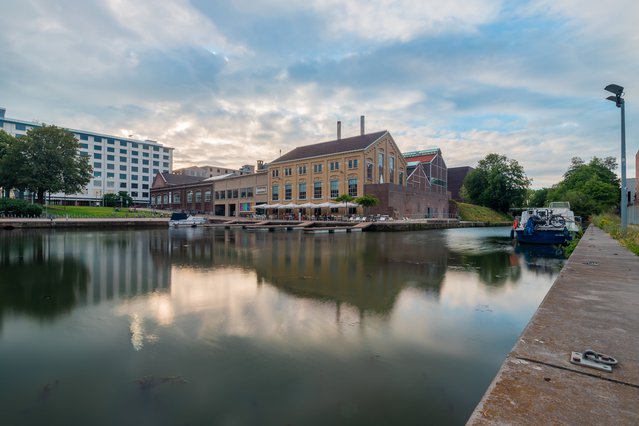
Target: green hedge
<point>12,207</point>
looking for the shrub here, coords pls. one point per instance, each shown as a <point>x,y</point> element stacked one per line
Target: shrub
<point>12,207</point>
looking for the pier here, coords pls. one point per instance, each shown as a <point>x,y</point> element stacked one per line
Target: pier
<point>593,304</point>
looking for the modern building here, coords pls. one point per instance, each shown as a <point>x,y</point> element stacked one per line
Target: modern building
<point>204,171</point>
<point>119,164</point>
<point>433,168</point>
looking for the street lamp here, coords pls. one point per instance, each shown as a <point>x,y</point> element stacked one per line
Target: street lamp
<point>619,101</point>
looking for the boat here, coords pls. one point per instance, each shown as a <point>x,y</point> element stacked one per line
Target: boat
<point>185,219</point>
<point>552,225</point>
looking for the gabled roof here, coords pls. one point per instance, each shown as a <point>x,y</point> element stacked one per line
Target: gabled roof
<point>173,180</point>
<point>355,143</point>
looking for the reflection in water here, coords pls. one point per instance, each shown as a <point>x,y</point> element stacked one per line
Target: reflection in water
<point>229,327</point>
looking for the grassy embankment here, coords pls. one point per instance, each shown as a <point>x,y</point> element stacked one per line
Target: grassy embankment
<point>98,212</point>
<point>611,224</point>
<point>475,213</point>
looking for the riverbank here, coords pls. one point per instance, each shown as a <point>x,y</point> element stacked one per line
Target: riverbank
<point>386,226</point>
<point>592,305</point>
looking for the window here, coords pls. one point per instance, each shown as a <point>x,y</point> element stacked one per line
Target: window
<point>317,189</point>
<point>334,165</point>
<point>198,197</point>
<point>369,170</point>
<point>301,169</point>
<point>84,145</point>
<point>97,139</point>
<point>123,168</point>
<point>334,188</point>
<point>122,143</point>
<point>134,194</point>
<point>189,197</point>
<point>317,168</point>
<point>145,195</point>
<point>275,173</point>
<point>380,166</point>
<point>110,166</point>
<point>110,175</point>
<point>97,147</point>
<point>97,183</point>
<point>134,169</point>
<point>134,145</point>
<point>97,156</point>
<point>134,186</point>
<point>275,193</point>
<point>145,186</point>
<point>110,141</point>
<point>123,185</point>
<point>97,174</point>
<point>166,165</point>
<point>235,193</point>
<point>122,175</point>
<point>123,151</point>
<point>110,184</point>
<point>301,190</point>
<point>166,198</point>
<point>288,191</point>
<point>207,196</point>
<point>97,165</point>
<point>176,197</point>
<point>145,154</point>
<point>156,163</point>
<point>135,152</point>
<point>156,148</point>
<point>288,171</point>
<point>401,178</point>
<point>134,160</point>
<point>21,126</point>
<point>352,164</point>
<point>82,136</point>
<point>222,195</point>
<point>134,177</point>
<point>145,178</point>
<point>152,199</point>
<point>110,149</point>
<point>391,169</point>
<point>352,187</point>
<point>145,162</point>
<point>122,159</point>
<point>156,156</point>
<point>243,192</point>
<point>111,157</point>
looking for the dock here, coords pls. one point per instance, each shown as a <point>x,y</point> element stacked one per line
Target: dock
<point>593,304</point>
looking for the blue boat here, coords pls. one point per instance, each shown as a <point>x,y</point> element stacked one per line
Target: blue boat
<point>552,225</point>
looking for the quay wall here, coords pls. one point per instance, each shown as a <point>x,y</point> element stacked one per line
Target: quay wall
<point>591,305</point>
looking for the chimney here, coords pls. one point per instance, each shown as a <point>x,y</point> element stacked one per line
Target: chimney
<point>339,130</point>
<point>2,111</point>
<point>361,124</point>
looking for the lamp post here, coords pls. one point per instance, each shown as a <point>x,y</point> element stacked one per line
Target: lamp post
<point>619,101</point>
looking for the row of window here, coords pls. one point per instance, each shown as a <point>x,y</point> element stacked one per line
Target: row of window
<point>123,167</point>
<point>317,190</point>
<point>122,151</point>
<point>234,193</point>
<point>175,197</point>
<point>111,141</point>
<point>317,168</point>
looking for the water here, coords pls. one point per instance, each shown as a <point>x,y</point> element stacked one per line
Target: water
<point>227,327</point>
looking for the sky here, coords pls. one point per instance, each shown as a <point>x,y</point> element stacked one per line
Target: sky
<point>231,82</point>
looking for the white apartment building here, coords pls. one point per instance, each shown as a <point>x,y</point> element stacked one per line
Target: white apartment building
<point>119,164</point>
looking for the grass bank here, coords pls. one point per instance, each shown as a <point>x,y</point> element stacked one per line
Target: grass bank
<point>481,214</point>
<point>97,212</point>
<point>611,224</point>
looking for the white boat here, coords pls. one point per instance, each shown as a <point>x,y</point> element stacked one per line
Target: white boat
<point>184,219</point>
<point>554,224</point>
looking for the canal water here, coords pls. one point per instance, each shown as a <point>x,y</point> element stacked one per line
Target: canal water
<point>228,327</point>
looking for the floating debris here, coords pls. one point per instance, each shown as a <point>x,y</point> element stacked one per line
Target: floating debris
<point>136,328</point>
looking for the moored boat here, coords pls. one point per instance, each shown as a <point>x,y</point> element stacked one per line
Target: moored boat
<point>551,225</point>
<point>184,219</point>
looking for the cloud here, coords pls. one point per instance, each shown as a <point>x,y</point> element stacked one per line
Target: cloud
<point>229,83</point>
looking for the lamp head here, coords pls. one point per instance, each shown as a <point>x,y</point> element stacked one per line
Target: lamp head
<point>616,99</point>
<point>614,89</point>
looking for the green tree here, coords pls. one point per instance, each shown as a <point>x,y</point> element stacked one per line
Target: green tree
<point>48,160</point>
<point>367,201</point>
<point>590,188</point>
<point>497,182</point>
<point>121,199</point>
<point>538,197</point>
<point>8,174</point>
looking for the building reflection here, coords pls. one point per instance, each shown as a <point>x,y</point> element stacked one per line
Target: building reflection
<point>46,274</point>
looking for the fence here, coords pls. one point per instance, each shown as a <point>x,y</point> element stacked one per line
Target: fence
<point>633,214</point>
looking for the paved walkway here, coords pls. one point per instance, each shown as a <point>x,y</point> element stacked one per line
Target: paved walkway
<point>593,304</point>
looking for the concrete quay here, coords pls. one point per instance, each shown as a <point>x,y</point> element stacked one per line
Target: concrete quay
<point>62,223</point>
<point>593,304</point>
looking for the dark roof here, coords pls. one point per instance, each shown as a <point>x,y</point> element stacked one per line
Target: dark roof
<point>173,180</point>
<point>354,143</point>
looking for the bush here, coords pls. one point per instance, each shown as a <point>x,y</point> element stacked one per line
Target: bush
<point>12,207</point>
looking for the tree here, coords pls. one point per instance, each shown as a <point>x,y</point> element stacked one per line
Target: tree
<point>496,182</point>
<point>367,201</point>
<point>48,160</point>
<point>8,172</point>
<point>590,188</point>
<point>537,197</point>
<point>121,199</point>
